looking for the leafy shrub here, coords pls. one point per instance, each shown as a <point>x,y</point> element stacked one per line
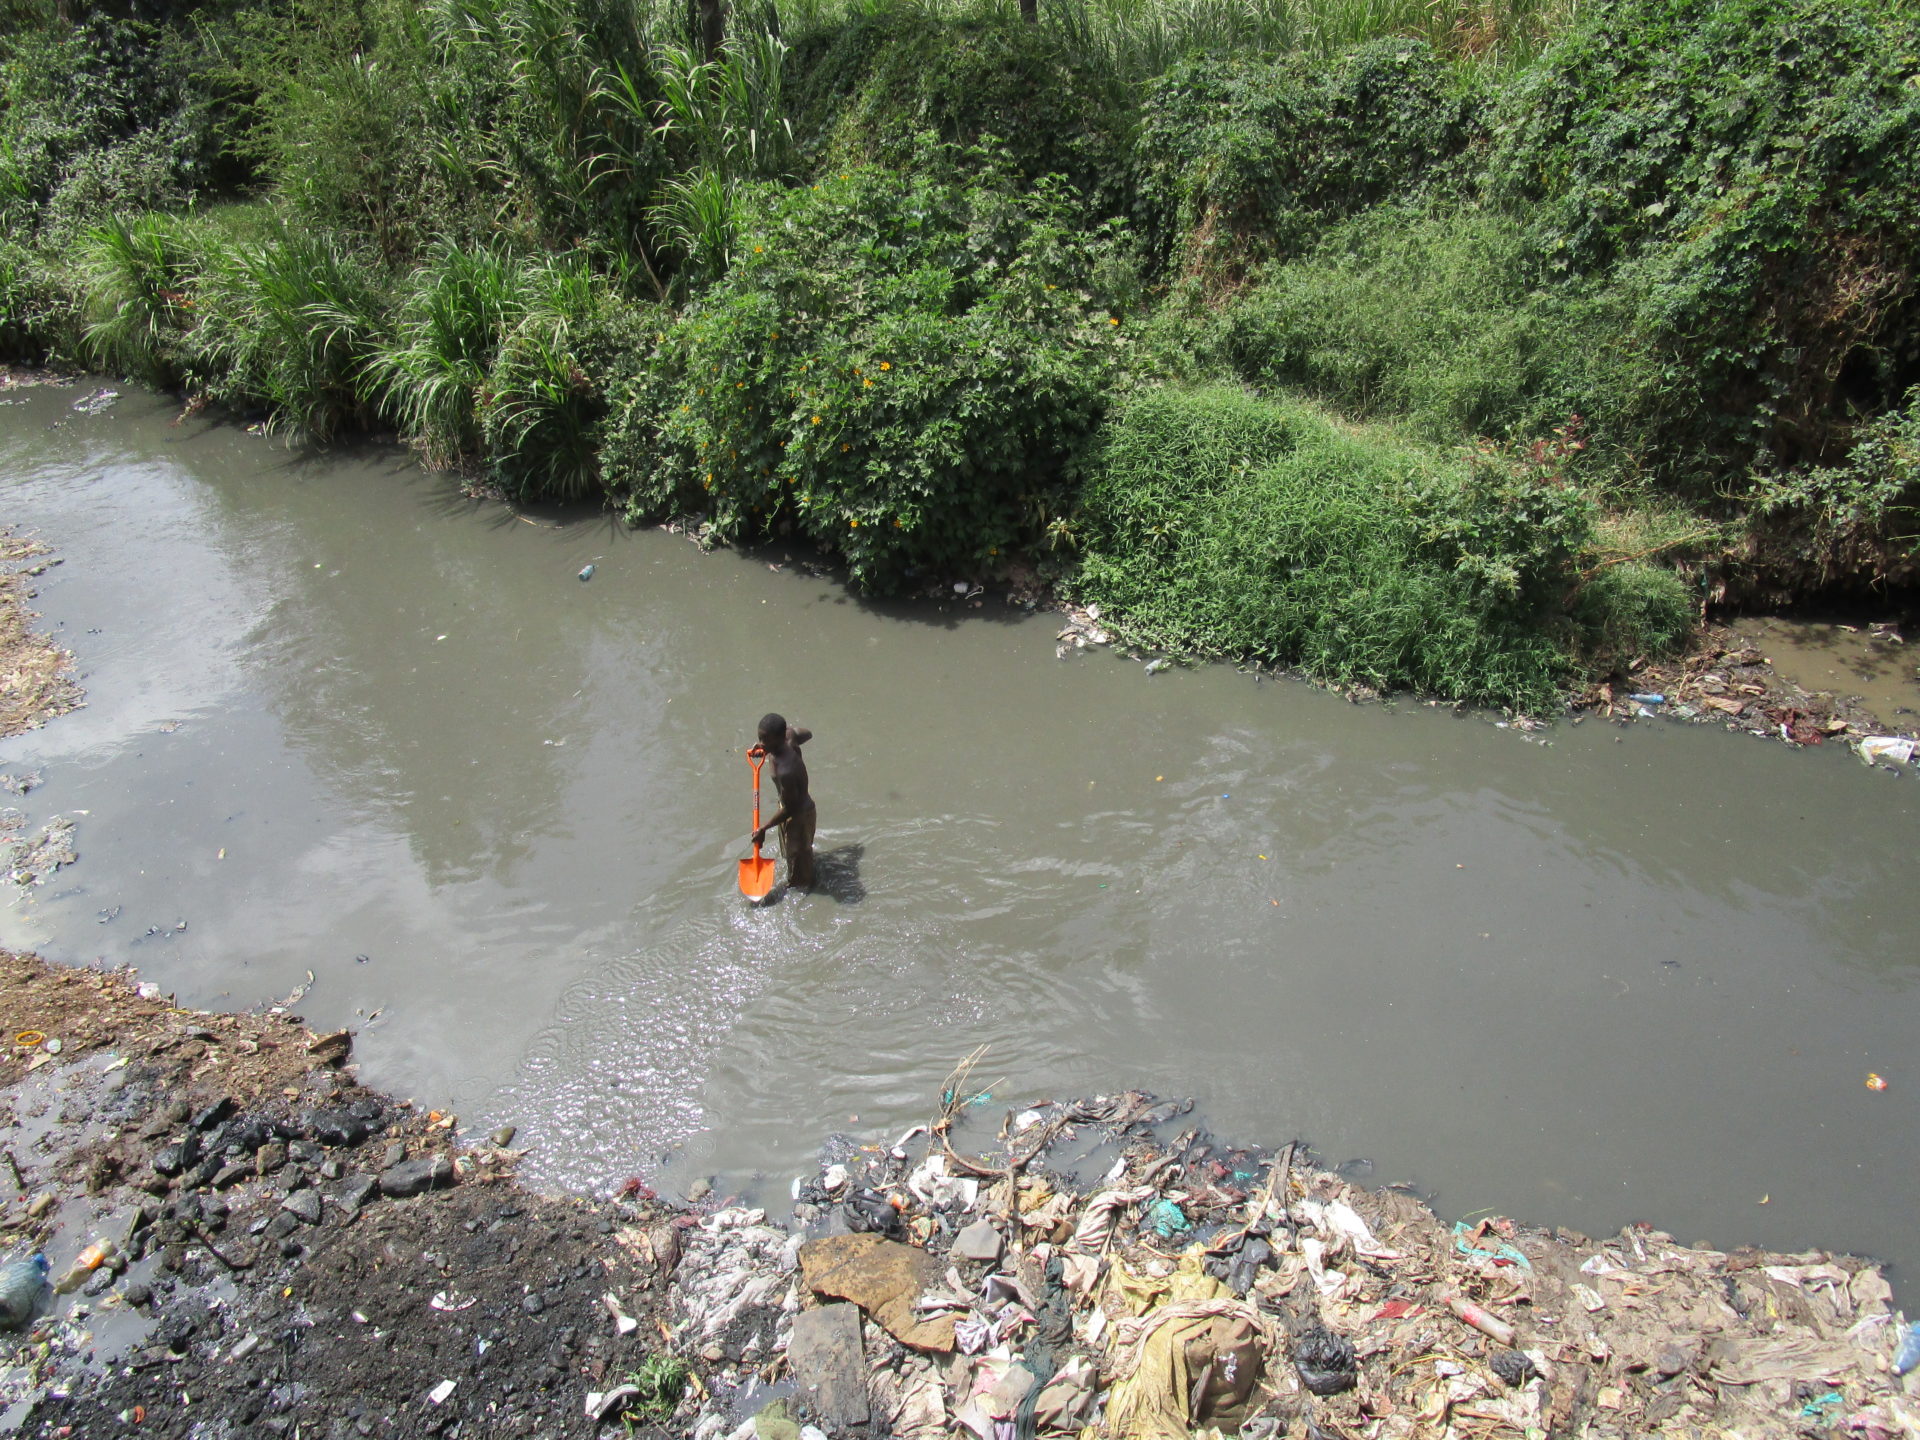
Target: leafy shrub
<point>98,118</point>
<point>1224,523</point>
<point>870,86</point>
<point>1242,159</point>
<point>1853,526</point>
<point>899,367</point>
<point>1747,169</point>
<point>25,307</point>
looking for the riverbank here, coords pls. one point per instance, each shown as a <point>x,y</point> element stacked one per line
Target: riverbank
<point>289,1253</point>
<point>1327,340</point>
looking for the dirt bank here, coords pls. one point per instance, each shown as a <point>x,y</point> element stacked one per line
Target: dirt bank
<point>288,1253</point>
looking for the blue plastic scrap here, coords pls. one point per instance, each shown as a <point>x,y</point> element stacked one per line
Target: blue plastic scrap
<point>1167,1219</point>
<point>1816,1409</point>
<point>1507,1253</point>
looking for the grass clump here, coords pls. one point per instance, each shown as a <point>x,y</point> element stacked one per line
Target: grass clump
<point>661,1380</point>
<point>291,323</point>
<point>136,278</point>
<point>1220,522</point>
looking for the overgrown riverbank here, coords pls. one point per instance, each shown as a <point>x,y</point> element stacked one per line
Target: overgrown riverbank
<point>1471,348</point>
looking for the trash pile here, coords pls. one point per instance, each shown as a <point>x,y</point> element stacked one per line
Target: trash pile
<point>1195,1288</point>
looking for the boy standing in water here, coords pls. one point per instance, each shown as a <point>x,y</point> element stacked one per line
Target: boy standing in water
<point>781,743</point>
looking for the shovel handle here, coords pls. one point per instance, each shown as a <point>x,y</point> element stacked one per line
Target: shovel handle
<point>756,756</point>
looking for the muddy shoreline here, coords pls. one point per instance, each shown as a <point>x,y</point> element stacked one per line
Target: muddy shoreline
<point>289,1253</point>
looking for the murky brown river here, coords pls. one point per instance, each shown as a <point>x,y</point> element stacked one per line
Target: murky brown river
<point>1582,978</point>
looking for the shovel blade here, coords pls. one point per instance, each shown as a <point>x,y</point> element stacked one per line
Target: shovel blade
<point>756,877</point>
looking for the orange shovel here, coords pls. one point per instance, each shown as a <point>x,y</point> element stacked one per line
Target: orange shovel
<point>756,875</point>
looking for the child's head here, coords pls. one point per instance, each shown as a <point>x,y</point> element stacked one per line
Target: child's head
<point>773,730</point>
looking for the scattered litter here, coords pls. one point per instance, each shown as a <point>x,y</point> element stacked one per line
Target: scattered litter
<point>586,572</point>
<point>439,1394</point>
<point>1875,1082</point>
<point>1192,1287</point>
<point>33,862</point>
<point>97,401</point>
<point>1895,749</point>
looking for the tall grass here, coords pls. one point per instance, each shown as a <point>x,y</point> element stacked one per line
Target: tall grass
<point>729,112</point>
<point>292,323</point>
<point>1134,40</point>
<point>540,407</point>
<point>459,306</point>
<point>135,279</point>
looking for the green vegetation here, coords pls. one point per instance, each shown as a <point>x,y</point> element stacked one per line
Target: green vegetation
<point>1459,345</point>
<point>661,1381</point>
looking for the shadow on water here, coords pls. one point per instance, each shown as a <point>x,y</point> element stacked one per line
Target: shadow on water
<point>837,874</point>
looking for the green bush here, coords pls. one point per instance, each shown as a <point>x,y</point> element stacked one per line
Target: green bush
<point>871,85</point>
<point>899,367</point>
<point>1747,169</point>
<point>1232,525</point>
<point>1439,317</point>
<point>1853,526</point>
<point>1240,160</point>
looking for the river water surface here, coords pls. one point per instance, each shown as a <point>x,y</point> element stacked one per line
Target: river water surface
<point>342,719</point>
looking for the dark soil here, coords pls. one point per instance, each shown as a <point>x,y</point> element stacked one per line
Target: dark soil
<point>195,1142</point>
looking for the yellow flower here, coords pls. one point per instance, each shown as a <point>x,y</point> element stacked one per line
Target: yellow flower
<point>739,384</point>
<point>853,524</point>
<point>1113,320</point>
<point>993,549</point>
<point>816,419</point>
<point>898,526</point>
<point>886,364</point>
<point>844,447</point>
<point>756,249</point>
<point>867,384</point>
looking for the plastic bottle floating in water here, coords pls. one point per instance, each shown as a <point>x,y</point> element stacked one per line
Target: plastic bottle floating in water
<point>21,1282</point>
<point>1909,1354</point>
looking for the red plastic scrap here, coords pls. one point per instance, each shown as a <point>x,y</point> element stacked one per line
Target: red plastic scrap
<point>1397,1310</point>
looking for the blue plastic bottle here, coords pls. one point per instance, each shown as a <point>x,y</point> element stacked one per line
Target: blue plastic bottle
<point>20,1285</point>
<point>1909,1355</point>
